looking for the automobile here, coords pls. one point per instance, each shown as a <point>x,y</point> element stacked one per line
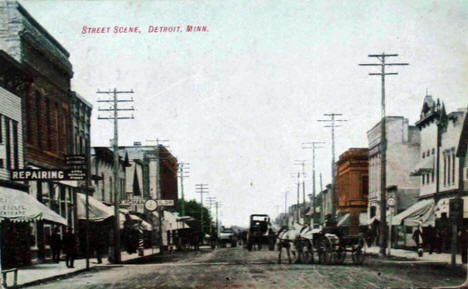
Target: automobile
<point>227,235</point>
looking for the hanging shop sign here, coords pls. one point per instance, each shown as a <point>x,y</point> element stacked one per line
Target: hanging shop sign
<point>165,203</point>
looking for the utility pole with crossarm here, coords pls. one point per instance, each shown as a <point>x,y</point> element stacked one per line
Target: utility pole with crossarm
<point>313,146</point>
<point>114,108</point>
<point>383,143</point>
<point>332,126</point>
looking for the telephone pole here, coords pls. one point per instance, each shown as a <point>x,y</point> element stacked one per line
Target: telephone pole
<point>182,175</point>
<point>286,208</point>
<point>114,107</point>
<point>383,143</point>
<point>313,146</point>
<point>201,189</point>
<point>322,215</point>
<point>211,201</point>
<point>302,164</point>
<point>297,204</point>
<point>332,126</point>
<point>217,220</point>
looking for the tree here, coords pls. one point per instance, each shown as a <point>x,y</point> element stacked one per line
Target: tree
<point>192,209</point>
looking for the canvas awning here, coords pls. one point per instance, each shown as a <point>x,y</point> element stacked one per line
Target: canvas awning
<point>146,226</point>
<point>345,220</point>
<point>310,211</point>
<point>19,206</point>
<point>423,167</point>
<point>97,210</point>
<point>421,213</point>
<point>185,218</point>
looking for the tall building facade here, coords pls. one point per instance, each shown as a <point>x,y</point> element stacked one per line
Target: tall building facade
<point>46,111</point>
<point>402,155</point>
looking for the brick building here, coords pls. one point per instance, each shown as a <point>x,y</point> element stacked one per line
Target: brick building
<point>352,174</point>
<point>46,111</point>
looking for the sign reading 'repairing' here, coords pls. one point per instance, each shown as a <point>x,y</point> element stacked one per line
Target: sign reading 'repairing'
<point>47,175</point>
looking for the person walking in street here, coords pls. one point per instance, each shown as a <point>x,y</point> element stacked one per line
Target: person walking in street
<point>69,247</point>
<point>56,245</point>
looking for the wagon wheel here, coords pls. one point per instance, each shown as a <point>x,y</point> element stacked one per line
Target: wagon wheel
<point>325,252</point>
<point>339,255</point>
<point>357,255</point>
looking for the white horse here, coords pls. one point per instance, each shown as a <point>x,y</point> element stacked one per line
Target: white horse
<point>300,238</point>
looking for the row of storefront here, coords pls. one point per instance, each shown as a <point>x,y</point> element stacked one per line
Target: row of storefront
<point>42,121</point>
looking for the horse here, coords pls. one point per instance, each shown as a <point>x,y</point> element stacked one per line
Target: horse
<point>301,238</point>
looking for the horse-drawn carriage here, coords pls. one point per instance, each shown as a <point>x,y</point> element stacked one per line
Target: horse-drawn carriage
<point>330,246</point>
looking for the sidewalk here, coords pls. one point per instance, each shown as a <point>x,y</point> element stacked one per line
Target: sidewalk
<point>413,255</point>
<point>48,271</point>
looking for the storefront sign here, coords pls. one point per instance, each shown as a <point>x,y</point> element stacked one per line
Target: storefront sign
<point>134,205</point>
<point>151,205</point>
<point>47,175</point>
<point>165,203</point>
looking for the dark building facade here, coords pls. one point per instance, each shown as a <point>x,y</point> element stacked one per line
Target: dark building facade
<point>46,112</point>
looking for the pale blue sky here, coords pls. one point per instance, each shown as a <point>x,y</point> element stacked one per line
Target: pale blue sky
<point>238,101</point>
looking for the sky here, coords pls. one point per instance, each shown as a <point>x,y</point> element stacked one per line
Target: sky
<point>238,101</point>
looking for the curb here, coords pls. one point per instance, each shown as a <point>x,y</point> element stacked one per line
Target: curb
<point>47,279</point>
<point>79,271</point>
<point>407,260</point>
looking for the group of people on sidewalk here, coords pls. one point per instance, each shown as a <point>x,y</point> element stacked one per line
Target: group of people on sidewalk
<point>68,244</point>
<point>435,240</point>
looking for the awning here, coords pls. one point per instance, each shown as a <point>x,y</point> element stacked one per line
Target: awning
<point>421,213</point>
<point>310,211</point>
<point>423,167</point>
<point>345,221</point>
<point>19,206</point>
<point>185,218</point>
<point>97,210</point>
<point>146,226</point>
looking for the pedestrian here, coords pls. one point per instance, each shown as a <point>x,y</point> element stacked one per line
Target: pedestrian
<point>56,245</point>
<point>431,239</point>
<point>418,239</point>
<point>463,246</point>
<point>98,245</point>
<point>69,247</point>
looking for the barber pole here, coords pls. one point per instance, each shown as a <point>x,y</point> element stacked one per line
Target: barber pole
<point>141,249</point>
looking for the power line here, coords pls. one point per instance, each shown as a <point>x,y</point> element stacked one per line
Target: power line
<point>383,143</point>
<point>182,167</point>
<point>302,164</point>
<point>115,109</point>
<point>201,189</point>
<point>332,127</point>
<point>313,145</point>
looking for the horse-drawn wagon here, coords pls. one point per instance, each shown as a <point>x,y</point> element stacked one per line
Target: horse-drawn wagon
<point>330,246</point>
